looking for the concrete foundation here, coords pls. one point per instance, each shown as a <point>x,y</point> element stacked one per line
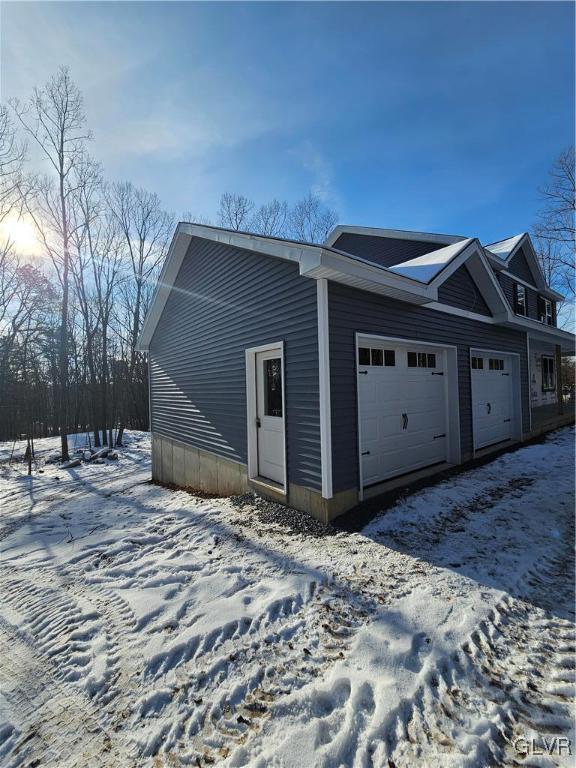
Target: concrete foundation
<point>183,465</point>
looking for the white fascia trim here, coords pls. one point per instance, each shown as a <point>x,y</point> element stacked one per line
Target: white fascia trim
<point>396,234</point>
<point>324,386</point>
<point>283,249</point>
<point>449,310</point>
<point>358,268</point>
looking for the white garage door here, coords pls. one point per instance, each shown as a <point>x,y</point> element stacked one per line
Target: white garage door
<point>492,380</point>
<point>402,408</point>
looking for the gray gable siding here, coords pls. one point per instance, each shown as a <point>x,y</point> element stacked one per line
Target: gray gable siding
<point>519,266</point>
<point>461,291</point>
<point>507,284</point>
<point>352,310</point>
<point>385,251</point>
<point>225,300</point>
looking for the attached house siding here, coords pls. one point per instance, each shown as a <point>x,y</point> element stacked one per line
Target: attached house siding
<point>461,291</point>
<point>224,301</point>
<point>386,251</point>
<point>351,311</point>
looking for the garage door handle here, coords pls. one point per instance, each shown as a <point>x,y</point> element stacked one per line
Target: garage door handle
<point>488,408</point>
<point>364,372</point>
<point>507,420</point>
<point>505,374</point>
<point>365,453</point>
<point>437,373</point>
<point>404,420</point>
<point>436,437</point>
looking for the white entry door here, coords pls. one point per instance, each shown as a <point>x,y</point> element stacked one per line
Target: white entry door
<point>492,386</point>
<point>270,415</point>
<point>402,393</point>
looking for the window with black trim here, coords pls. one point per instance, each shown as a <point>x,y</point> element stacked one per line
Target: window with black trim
<point>496,364</point>
<point>478,363</point>
<point>548,374</point>
<point>421,360</point>
<point>519,299</point>
<point>545,312</point>
<point>376,357</point>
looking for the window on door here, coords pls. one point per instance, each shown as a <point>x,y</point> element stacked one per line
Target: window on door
<point>548,374</point>
<point>496,364</point>
<point>273,387</point>
<point>478,363</point>
<point>421,360</point>
<point>376,357</point>
<point>519,299</point>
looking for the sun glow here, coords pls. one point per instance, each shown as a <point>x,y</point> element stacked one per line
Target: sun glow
<point>20,232</point>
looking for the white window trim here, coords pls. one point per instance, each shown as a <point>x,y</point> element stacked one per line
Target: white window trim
<point>517,408</point>
<point>452,393</point>
<point>324,386</point>
<point>252,411</point>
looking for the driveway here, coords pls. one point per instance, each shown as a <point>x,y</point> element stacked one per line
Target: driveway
<point>143,626</point>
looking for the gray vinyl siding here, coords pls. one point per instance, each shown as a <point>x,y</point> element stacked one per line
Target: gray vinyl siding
<point>224,301</point>
<point>351,311</point>
<point>519,266</point>
<point>461,291</point>
<point>386,251</point>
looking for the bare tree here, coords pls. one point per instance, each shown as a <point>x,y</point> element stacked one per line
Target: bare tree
<point>235,211</point>
<point>271,219</point>
<point>146,230</point>
<point>555,229</point>
<point>54,118</point>
<point>310,220</point>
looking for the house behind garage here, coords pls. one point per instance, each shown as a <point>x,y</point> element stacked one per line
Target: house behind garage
<point>320,375</point>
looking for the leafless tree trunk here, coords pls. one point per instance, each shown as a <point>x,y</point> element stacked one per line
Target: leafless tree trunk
<point>146,230</point>
<point>54,118</point>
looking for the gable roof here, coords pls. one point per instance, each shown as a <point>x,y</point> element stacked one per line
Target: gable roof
<point>504,249</point>
<point>502,252</point>
<point>425,268</point>
<point>397,234</point>
<point>414,281</point>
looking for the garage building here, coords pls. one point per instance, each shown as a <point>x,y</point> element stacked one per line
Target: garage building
<point>320,375</point>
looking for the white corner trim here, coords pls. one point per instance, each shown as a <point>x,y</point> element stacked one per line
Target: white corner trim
<point>324,385</point>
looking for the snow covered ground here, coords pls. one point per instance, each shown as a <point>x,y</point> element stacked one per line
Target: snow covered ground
<point>142,626</point>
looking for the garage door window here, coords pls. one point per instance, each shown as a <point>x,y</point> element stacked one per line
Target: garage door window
<point>496,364</point>
<point>421,360</point>
<point>478,363</point>
<point>376,357</point>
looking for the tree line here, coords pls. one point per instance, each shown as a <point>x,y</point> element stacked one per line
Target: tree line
<point>70,318</point>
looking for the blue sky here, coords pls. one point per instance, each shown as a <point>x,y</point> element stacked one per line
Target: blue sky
<point>436,116</point>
